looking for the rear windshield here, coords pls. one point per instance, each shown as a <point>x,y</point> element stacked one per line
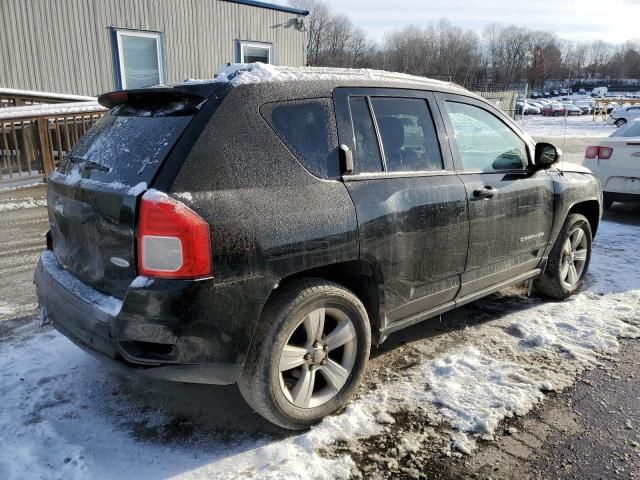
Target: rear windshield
<point>124,150</point>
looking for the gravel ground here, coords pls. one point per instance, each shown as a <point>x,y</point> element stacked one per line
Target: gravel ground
<point>22,233</point>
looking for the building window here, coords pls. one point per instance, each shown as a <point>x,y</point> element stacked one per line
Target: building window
<point>250,52</point>
<point>138,58</point>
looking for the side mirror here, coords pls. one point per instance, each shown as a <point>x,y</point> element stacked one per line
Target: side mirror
<point>547,155</point>
<point>346,160</point>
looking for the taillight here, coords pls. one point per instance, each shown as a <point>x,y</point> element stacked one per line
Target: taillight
<point>601,153</point>
<point>605,153</point>
<point>173,240</point>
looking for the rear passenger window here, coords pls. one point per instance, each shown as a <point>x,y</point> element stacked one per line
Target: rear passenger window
<point>308,129</point>
<point>409,138</point>
<point>367,154</point>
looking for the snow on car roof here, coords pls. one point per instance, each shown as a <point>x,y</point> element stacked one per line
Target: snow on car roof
<point>251,73</point>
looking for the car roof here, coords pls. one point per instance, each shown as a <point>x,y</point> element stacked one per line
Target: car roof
<point>321,80</point>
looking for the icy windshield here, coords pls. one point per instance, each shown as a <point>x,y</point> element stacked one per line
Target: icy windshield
<point>124,150</point>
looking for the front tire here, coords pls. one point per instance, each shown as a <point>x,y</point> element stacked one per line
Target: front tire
<point>309,354</point>
<point>569,259</point>
<point>620,122</point>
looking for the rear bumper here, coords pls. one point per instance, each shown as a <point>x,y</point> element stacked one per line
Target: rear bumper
<point>89,319</point>
<point>622,197</point>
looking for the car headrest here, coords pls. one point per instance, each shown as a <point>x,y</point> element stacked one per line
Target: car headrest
<point>392,132</point>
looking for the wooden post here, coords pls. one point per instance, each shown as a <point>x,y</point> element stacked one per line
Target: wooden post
<point>45,148</point>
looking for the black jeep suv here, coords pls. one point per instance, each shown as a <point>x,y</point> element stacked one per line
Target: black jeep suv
<point>267,227</point>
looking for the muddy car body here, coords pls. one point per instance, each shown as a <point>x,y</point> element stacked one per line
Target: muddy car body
<point>317,212</point>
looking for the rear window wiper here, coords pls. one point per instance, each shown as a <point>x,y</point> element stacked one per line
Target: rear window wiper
<point>89,164</point>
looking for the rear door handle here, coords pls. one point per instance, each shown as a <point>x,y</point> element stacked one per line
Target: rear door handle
<point>486,192</point>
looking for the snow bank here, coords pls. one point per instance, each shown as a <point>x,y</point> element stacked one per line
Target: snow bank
<point>19,203</point>
<point>581,126</point>
<point>6,310</point>
<point>504,366</point>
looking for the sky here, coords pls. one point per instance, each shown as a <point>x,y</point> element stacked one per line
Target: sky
<point>614,21</point>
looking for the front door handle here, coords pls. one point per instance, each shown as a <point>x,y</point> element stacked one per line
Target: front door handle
<point>486,192</point>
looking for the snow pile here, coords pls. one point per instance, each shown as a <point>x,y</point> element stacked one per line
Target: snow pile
<point>581,126</point>
<point>247,73</point>
<point>63,416</point>
<point>505,365</point>
<point>20,203</point>
<point>6,310</point>
<point>71,108</point>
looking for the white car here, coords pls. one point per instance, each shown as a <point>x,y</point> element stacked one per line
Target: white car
<point>620,116</point>
<point>615,160</point>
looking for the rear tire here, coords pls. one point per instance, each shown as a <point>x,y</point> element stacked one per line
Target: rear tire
<point>569,259</point>
<point>327,327</point>
<point>607,201</point>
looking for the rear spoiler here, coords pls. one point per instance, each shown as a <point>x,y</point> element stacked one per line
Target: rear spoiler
<point>150,97</point>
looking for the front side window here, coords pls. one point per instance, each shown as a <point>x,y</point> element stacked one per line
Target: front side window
<point>251,52</point>
<point>484,142</point>
<point>308,129</point>
<point>139,59</point>
<point>409,138</point>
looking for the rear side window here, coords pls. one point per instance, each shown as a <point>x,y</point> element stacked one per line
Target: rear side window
<point>406,129</point>
<point>367,152</point>
<point>308,129</point>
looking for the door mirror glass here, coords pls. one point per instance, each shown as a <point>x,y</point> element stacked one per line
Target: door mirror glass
<point>547,154</point>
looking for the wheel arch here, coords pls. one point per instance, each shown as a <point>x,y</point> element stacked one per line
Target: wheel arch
<point>591,210</point>
<point>362,278</point>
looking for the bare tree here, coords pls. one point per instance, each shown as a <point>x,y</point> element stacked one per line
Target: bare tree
<point>332,39</point>
<point>503,55</point>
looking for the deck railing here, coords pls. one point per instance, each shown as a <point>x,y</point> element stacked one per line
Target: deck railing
<point>33,140</point>
<point>10,97</point>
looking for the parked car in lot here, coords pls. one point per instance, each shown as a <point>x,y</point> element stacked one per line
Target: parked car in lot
<point>529,109</point>
<point>599,91</point>
<point>621,115</point>
<point>571,109</point>
<point>268,227</point>
<point>554,110</point>
<point>585,107</point>
<point>615,160</point>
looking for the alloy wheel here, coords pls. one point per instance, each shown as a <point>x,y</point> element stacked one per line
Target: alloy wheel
<point>574,258</point>
<point>318,358</point>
